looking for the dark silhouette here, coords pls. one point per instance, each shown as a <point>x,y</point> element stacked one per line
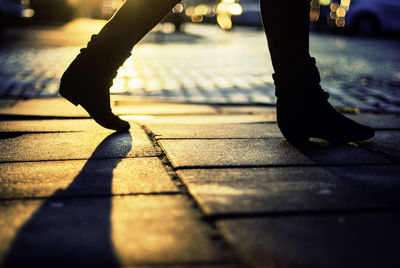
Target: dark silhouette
<point>52,11</point>
<point>73,228</point>
<point>302,107</point>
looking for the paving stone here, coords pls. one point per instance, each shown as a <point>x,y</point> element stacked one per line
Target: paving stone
<point>199,265</point>
<point>244,152</point>
<point>65,125</point>
<point>258,190</point>
<point>359,240</point>
<point>265,110</point>
<point>204,119</point>
<point>105,232</point>
<point>215,131</point>
<point>378,120</point>
<point>78,145</point>
<point>84,178</point>
<point>384,180</point>
<point>385,141</point>
<point>59,107</point>
<point>163,108</point>
<point>56,107</point>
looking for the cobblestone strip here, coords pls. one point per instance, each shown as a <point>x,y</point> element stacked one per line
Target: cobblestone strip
<point>35,72</point>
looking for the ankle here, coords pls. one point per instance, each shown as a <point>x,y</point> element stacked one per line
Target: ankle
<point>298,80</point>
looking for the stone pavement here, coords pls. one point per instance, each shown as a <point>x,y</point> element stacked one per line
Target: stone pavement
<point>204,65</point>
<point>191,185</point>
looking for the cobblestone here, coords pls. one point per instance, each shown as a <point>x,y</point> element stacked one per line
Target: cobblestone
<point>218,68</point>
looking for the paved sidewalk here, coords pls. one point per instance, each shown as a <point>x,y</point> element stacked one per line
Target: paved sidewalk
<point>191,185</point>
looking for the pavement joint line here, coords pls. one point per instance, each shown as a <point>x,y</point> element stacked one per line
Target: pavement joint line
<point>78,159</point>
<point>13,117</point>
<point>166,163</point>
<point>262,104</point>
<point>13,101</point>
<point>256,123</point>
<point>195,205</point>
<point>87,196</point>
<point>239,138</point>
<point>283,166</point>
<point>388,156</point>
<point>20,133</point>
<point>179,264</point>
<point>297,213</point>
<point>248,138</point>
<point>16,117</point>
<point>3,117</point>
<point>387,129</point>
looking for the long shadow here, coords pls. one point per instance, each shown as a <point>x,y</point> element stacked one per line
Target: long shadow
<point>69,230</point>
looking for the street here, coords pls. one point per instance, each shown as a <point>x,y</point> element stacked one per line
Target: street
<point>204,177</point>
<point>204,65</point>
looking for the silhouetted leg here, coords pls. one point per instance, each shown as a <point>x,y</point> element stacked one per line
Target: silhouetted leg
<point>302,107</point>
<point>286,24</point>
<point>135,19</point>
<point>87,80</point>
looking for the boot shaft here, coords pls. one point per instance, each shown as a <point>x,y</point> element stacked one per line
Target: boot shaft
<point>301,80</point>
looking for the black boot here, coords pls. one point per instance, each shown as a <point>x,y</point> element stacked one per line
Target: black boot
<point>88,79</point>
<point>303,110</point>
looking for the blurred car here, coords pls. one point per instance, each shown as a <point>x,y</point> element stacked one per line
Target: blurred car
<point>54,11</point>
<point>373,16</point>
<point>250,15</point>
<point>364,17</point>
<point>12,11</point>
<point>12,8</point>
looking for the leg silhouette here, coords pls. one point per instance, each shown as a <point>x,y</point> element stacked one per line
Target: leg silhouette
<point>302,107</point>
<point>89,77</point>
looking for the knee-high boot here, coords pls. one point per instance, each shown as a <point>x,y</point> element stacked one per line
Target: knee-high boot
<point>87,80</point>
<point>303,110</point>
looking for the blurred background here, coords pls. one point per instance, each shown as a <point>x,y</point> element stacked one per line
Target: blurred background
<point>200,52</point>
<point>355,16</point>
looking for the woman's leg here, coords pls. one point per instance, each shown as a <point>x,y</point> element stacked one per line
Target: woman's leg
<point>135,19</point>
<point>302,107</point>
<point>89,77</point>
<point>286,24</point>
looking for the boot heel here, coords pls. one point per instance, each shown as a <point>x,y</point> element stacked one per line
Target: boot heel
<point>70,98</point>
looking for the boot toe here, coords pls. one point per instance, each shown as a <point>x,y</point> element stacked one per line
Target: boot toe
<point>113,122</point>
<point>364,133</point>
<point>123,126</point>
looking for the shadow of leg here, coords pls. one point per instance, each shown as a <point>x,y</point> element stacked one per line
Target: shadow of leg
<point>73,231</point>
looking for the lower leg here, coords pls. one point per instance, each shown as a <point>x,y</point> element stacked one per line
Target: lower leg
<point>302,107</point>
<point>134,19</point>
<point>87,80</point>
<point>286,24</point>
